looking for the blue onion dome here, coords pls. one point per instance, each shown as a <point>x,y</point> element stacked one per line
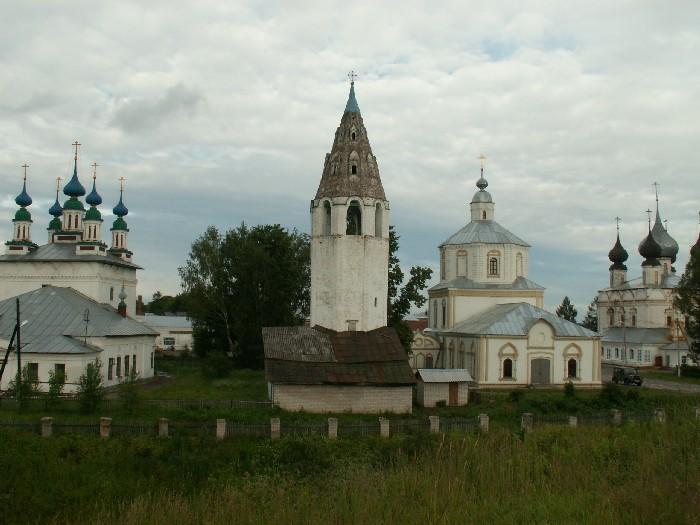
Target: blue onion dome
<point>73,204</point>
<point>669,246</point>
<point>22,215</point>
<point>93,199</point>
<point>618,255</point>
<point>93,214</point>
<point>56,209</point>
<point>482,195</point>
<point>74,188</point>
<point>650,250</point>
<point>23,199</point>
<point>120,224</point>
<point>55,224</point>
<point>120,210</point>
<point>482,183</point>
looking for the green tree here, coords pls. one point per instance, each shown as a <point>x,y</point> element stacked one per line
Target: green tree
<point>591,319</point>
<point>28,387</point>
<point>566,310</point>
<point>240,281</point>
<point>401,298</point>
<point>57,382</point>
<point>90,387</point>
<point>130,393</point>
<point>163,304</point>
<point>688,302</point>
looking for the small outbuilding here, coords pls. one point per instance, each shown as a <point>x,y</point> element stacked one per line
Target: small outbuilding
<point>319,370</point>
<point>448,385</point>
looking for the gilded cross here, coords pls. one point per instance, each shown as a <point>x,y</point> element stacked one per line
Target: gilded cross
<point>648,212</point>
<point>482,158</point>
<point>617,221</point>
<point>76,144</point>
<point>656,190</point>
<point>94,170</point>
<point>25,166</point>
<point>58,185</point>
<point>352,76</point>
<point>121,183</point>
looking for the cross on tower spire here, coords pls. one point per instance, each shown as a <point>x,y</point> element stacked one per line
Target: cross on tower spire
<point>25,166</point>
<point>58,184</point>
<point>656,192</point>
<point>121,184</point>
<point>482,158</point>
<point>617,222</point>
<point>94,170</point>
<point>76,145</point>
<point>648,212</point>
<point>352,76</point>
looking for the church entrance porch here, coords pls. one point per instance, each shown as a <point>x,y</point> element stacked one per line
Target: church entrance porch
<point>540,372</point>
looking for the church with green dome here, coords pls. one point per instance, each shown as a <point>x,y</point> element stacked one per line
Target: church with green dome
<point>76,254</point>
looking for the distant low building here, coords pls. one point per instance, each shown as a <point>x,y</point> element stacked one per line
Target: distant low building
<point>320,370</point>
<point>65,330</point>
<point>424,347</point>
<point>174,331</point>
<point>449,386</point>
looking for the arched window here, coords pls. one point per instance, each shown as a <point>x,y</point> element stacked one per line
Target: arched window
<point>493,266</point>
<point>353,169</point>
<point>429,361</point>
<point>452,355</point>
<point>483,215</point>
<point>354,219</point>
<point>461,358</point>
<point>617,353</point>
<point>494,263</point>
<point>442,265</point>
<point>378,222</point>
<point>352,135</point>
<point>435,316</point>
<point>326,218</point>
<point>633,317</point>
<point>611,317</point>
<point>571,368</point>
<point>508,368</point>
<point>444,311</point>
<point>631,353</point>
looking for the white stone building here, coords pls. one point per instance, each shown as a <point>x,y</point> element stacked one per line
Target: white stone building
<point>75,254</point>
<point>450,387</point>
<point>488,316</point>
<point>348,359</point>
<point>174,331</point>
<point>63,330</point>
<point>637,317</point>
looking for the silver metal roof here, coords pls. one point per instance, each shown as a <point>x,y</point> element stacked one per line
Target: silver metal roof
<point>668,281</point>
<point>645,336</point>
<point>165,321</point>
<point>55,321</point>
<point>446,375</point>
<point>486,232</point>
<point>516,319</point>
<point>55,252</point>
<point>462,283</point>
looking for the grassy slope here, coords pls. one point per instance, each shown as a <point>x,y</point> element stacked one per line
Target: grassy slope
<point>669,375</point>
<point>634,474</point>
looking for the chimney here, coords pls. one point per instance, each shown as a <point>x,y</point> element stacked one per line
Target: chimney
<point>121,308</point>
<point>139,305</point>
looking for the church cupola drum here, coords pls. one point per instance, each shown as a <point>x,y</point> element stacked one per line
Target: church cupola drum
<point>350,233</point>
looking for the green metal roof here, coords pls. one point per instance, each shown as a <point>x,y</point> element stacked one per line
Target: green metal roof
<point>93,214</point>
<point>73,204</point>
<point>120,224</point>
<point>55,224</point>
<point>23,215</point>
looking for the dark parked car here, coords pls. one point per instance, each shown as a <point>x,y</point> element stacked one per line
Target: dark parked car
<point>626,375</point>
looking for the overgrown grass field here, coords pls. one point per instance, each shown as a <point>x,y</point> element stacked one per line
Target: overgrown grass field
<point>637,474</point>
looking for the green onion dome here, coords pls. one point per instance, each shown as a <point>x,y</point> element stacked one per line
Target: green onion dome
<point>22,215</point>
<point>55,224</point>
<point>93,214</point>
<point>73,204</point>
<point>23,199</point>
<point>74,188</point>
<point>119,224</point>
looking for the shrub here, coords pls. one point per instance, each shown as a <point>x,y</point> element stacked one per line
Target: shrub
<point>130,393</point>
<point>632,394</point>
<point>569,390</point>
<point>217,365</point>
<point>90,388</point>
<point>611,394</point>
<point>690,371</point>
<point>56,384</point>
<point>515,396</point>
<point>28,387</point>
<point>441,404</point>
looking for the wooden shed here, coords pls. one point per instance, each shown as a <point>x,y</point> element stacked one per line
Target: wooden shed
<point>448,385</point>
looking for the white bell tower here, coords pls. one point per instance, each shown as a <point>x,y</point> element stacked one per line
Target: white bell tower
<point>350,233</point>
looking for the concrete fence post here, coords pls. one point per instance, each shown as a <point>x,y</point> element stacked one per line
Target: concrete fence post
<point>163,427</point>
<point>527,420</point>
<point>660,415</point>
<point>46,427</point>
<point>105,426</point>
<point>275,428</point>
<point>220,429</point>
<point>484,422</point>
<point>434,424</point>
<point>332,428</point>
<point>383,427</point>
<point>573,421</point>
<point>616,416</point>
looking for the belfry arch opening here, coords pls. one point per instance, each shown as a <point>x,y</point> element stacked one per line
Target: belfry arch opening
<point>378,220</point>
<point>354,219</point>
<point>326,218</point>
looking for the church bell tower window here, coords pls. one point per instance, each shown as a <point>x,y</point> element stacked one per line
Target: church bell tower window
<point>326,218</point>
<point>354,219</point>
<point>353,169</point>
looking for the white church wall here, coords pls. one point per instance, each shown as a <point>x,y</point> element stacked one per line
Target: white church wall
<point>90,278</point>
<point>121,347</point>
<point>75,365</point>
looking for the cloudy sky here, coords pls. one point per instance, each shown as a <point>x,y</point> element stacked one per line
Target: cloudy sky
<point>219,112</point>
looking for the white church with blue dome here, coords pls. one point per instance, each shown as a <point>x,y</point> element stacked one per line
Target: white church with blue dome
<point>75,254</point>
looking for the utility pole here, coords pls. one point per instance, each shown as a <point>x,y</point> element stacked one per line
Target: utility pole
<point>19,352</point>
